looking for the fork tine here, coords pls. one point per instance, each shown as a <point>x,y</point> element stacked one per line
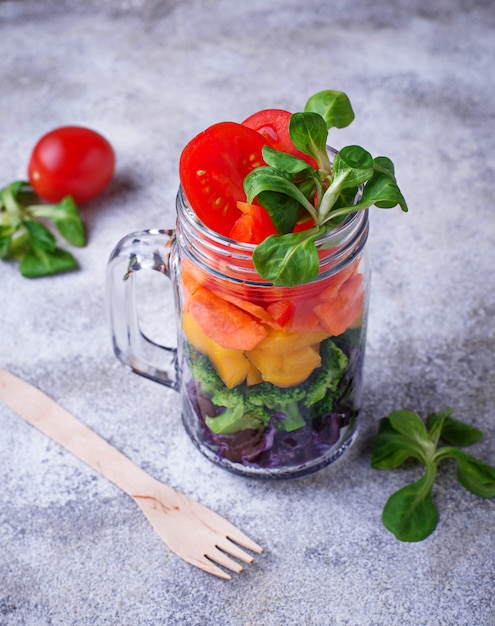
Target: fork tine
<point>234,534</point>
<point>208,566</point>
<point>218,556</point>
<point>231,548</point>
<point>226,528</point>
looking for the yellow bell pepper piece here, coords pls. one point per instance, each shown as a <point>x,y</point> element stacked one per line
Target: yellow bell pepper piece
<point>281,342</point>
<point>285,370</point>
<point>231,365</point>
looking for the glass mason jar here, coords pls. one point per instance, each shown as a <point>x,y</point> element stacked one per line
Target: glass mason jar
<point>270,378</point>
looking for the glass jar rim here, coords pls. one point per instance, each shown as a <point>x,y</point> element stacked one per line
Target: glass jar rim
<point>351,221</point>
<point>205,247</point>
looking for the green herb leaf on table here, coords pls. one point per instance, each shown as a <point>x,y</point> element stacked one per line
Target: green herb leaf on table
<point>410,513</point>
<point>41,238</point>
<point>453,431</point>
<point>474,475</point>
<point>25,238</point>
<point>410,425</point>
<point>38,262</point>
<point>65,217</point>
<point>392,449</point>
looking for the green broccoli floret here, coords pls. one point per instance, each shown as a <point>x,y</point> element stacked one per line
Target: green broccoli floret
<point>271,396</point>
<point>229,398</point>
<point>204,372</point>
<point>323,385</point>
<point>254,406</point>
<point>279,400</point>
<point>234,419</point>
<point>238,414</point>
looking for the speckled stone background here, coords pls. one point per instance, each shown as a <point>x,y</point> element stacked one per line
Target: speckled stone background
<point>150,74</point>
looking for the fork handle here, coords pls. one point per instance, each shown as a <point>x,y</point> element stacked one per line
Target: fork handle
<point>51,419</point>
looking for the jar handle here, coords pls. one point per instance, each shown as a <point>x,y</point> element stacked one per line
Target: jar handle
<point>144,250</point>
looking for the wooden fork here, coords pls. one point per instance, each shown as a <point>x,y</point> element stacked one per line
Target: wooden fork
<point>191,530</point>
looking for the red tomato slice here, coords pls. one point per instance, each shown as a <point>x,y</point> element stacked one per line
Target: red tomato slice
<point>304,225</point>
<point>254,225</point>
<point>242,230</point>
<point>212,169</point>
<point>281,311</point>
<point>273,124</point>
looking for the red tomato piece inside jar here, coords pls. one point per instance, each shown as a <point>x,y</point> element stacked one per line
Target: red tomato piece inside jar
<point>212,169</point>
<point>273,125</point>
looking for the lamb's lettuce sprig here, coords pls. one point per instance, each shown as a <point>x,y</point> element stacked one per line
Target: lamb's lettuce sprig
<point>410,513</point>
<point>292,191</point>
<point>25,237</point>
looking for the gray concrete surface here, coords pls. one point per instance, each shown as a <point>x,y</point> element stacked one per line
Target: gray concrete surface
<point>150,74</point>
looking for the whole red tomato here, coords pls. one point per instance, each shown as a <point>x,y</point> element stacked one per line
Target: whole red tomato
<point>71,160</point>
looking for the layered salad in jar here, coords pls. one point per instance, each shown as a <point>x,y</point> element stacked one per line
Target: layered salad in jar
<point>274,351</point>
